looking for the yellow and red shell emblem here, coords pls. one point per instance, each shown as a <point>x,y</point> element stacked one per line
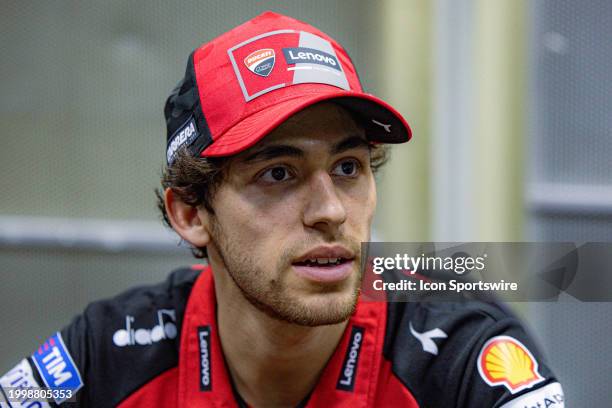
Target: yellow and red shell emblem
<point>506,361</point>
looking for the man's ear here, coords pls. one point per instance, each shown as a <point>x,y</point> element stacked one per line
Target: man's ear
<point>192,225</point>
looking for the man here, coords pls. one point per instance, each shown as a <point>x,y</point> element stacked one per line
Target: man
<point>271,151</point>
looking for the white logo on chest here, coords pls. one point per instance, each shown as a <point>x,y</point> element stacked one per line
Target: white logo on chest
<point>142,337</point>
<point>426,339</point>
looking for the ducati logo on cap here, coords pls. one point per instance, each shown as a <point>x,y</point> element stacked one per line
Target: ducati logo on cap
<point>261,62</point>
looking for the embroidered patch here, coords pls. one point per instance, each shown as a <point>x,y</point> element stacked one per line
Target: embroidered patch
<point>308,58</point>
<point>506,361</point>
<point>56,367</point>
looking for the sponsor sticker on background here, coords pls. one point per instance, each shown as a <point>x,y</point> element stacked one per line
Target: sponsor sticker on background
<point>506,361</point>
<point>56,367</point>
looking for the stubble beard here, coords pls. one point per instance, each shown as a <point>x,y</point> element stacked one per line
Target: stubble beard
<point>271,295</point>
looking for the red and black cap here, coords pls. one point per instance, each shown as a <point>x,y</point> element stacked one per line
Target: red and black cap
<point>243,84</point>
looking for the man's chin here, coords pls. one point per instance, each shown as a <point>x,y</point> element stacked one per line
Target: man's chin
<point>311,310</point>
<point>300,301</point>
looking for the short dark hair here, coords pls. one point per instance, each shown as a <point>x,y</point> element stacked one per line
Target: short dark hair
<point>194,180</point>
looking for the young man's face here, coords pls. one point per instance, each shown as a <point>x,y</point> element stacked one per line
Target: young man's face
<point>305,192</point>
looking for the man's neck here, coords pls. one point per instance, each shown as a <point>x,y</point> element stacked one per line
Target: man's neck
<point>272,363</point>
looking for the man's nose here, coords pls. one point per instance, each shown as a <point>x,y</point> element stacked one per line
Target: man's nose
<point>324,208</point>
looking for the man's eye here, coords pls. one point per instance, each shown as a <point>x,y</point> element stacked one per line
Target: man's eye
<point>346,168</point>
<point>275,174</point>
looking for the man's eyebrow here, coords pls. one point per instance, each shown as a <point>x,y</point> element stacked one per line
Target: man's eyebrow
<point>272,152</point>
<point>275,151</point>
<point>350,142</point>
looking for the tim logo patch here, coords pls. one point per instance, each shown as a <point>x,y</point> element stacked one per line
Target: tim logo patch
<point>56,367</point>
<point>261,62</point>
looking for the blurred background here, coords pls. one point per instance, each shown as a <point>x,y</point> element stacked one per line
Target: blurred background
<point>510,103</point>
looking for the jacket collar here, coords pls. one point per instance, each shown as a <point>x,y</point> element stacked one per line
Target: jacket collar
<point>349,379</point>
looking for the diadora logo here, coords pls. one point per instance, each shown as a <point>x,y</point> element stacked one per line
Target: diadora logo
<point>56,367</point>
<point>346,381</point>
<point>204,343</point>
<point>143,337</point>
<point>427,338</point>
<point>310,55</point>
<point>261,62</point>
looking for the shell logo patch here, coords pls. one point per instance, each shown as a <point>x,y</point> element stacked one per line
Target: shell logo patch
<point>506,361</point>
<point>261,62</point>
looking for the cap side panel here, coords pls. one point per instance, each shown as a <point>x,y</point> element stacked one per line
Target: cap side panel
<point>205,139</point>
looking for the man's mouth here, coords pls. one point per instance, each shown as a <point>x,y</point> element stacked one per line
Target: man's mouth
<point>322,262</point>
<point>325,264</point>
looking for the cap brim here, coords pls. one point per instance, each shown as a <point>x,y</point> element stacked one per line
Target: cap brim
<point>382,123</point>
